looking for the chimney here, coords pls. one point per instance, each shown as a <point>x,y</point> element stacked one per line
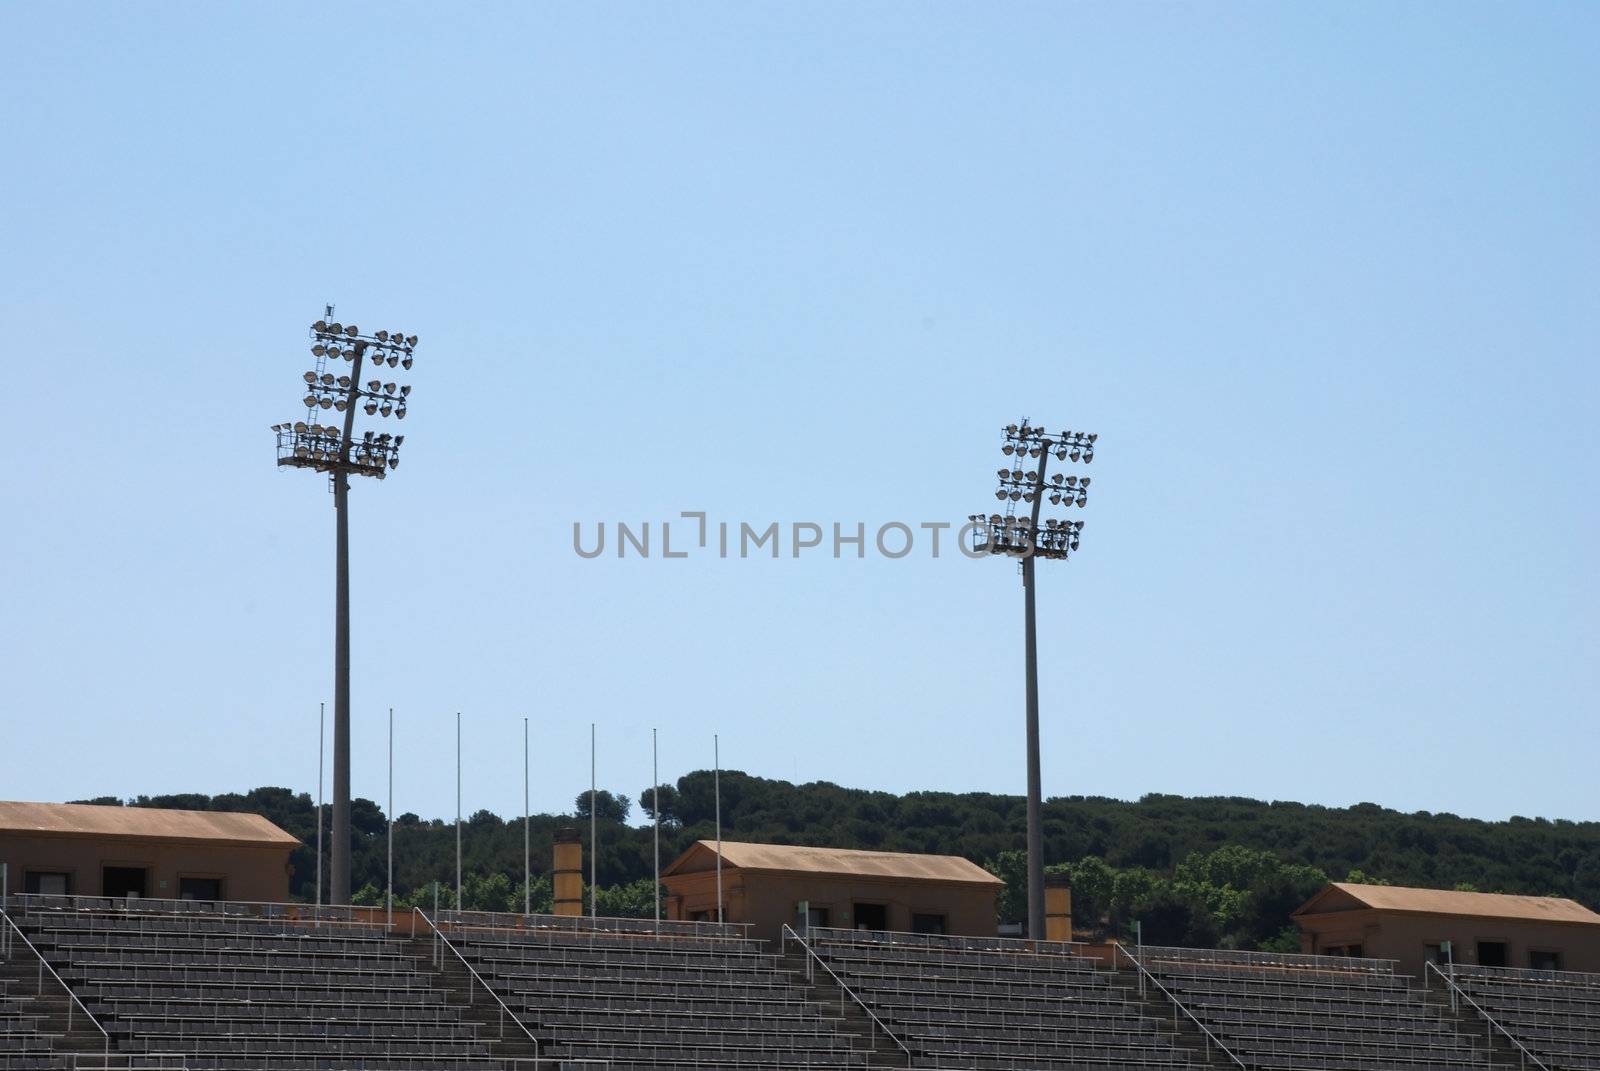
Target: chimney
<point>569,872</point>
<point>1057,907</point>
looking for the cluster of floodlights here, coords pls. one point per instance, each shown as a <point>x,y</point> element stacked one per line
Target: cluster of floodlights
<point>1025,441</point>
<point>309,444</point>
<point>1017,485</point>
<point>318,446</point>
<point>1017,535</point>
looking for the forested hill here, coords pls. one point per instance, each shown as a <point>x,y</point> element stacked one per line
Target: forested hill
<point>1202,870</point>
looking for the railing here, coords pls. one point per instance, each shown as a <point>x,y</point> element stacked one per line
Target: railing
<point>10,933</point>
<point>440,944</point>
<point>130,1061</point>
<point>950,941</point>
<point>230,909</point>
<point>1459,994</point>
<point>812,957</point>
<point>1177,1006</point>
<point>501,920</point>
<point>1280,960</point>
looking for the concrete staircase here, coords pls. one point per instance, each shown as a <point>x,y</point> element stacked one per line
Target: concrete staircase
<point>823,990</point>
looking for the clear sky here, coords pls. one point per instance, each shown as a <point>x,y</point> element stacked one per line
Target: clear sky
<point>1322,277</point>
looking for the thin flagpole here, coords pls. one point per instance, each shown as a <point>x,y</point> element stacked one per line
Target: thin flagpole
<point>594,844</point>
<point>322,738</point>
<point>389,898</point>
<point>458,810</point>
<point>655,801</point>
<point>527,856</point>
<point>716,752</point>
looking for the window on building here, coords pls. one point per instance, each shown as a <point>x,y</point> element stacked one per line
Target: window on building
<point>199,888</point>
<point>1435,954</point>
<point>872,917</point>
<point>921,923</point>
<point>47,883</point>
<point>1540,960</point>
<point>1492,954</point>
<point>1353,951</point>
<point>120,882</point>
<point>817,916</point>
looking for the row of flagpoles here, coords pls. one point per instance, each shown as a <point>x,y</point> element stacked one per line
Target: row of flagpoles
<point>527,817</point>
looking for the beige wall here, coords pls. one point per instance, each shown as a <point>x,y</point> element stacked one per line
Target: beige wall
<point>248,873</point>
<point>1402,936</point>
<point>768,900</point>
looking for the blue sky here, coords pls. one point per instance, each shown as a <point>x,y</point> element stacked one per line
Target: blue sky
<point>1322,277</point>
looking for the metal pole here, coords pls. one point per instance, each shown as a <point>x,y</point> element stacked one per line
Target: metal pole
<point>339,891</point>
<point>527,855</point>
<point>1031,655</point>
<point>322,740</point>
<point>655,801</point>
<point>716,782</point>
<point>594,843</point>
<point>458,811</point>
<point>389,896</point>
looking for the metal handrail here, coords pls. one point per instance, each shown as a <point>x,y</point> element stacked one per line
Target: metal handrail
<point>788,932</point>
<point>1177,1004</point>
<point>44,965</point>
<point>504,1009</point>
<point>1457,992</point>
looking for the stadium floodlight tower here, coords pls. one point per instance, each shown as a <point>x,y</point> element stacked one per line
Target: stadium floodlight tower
<point>1029,539</point>
<point>335,450</point>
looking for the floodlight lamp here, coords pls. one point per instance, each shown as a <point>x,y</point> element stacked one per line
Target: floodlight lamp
<point>318,350</point>
<point>352,331</point>
<point>1084,481</point>
<point>386,409</point>
<point>336,328</point>
<point>400,414</point>
<point>405,362</point>
<point>320,325</point>
<point>382,336</point>
<point>388,388</point>
<point>301,451</point>
<point>411,340</point>
<point>1000,494</point>
<point>1057,478</point>
<point>300,426</point>
<point>1088,456</point>
<point>1082,501</point>
<point>394,462</point>
<point>1074,454</point>
<point>405,389</point>
<point>1055,499</point>
<point>370,408</point>
<point>327,379</point>
<point>1015,495</point>
<point>394,359</point>
<point>373,384</point>
<point>344,381</point>
<point>310,400</point>
<point>326,403</point>
<point>398,439</point>
<point>1061,454</point>
<point>1093,436</point>
<point>1011,429</point>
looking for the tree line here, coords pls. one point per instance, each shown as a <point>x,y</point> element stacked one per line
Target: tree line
<point>1204,872</point>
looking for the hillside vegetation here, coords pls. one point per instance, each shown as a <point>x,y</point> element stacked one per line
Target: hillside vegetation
<point>1203,871</point>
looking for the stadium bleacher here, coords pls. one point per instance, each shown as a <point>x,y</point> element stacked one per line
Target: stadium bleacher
<point>638,994</point>
<point>1316,1013</point>
<point>181,986</point>
<point>1555,1015</point>
<point>966,1002</point>
<point>236,987</point>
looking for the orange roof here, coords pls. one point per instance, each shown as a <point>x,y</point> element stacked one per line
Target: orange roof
<point>796,859</point>
<point>1344,896</point>
<point>149,823</point>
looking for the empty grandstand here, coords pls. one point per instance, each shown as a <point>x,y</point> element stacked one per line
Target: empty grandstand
<point>639,994</point>
<point>966,1002</point>
<point>88,984</point>
<point>1551,1016</point>
<point>1311,1013</point>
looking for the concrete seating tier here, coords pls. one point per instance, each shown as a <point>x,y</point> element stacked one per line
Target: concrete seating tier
<point>688,996</point>
<point>1317,1013</point>
<point>996,1003</point>
<point>1554,1014</point>
<point>252,988</point>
